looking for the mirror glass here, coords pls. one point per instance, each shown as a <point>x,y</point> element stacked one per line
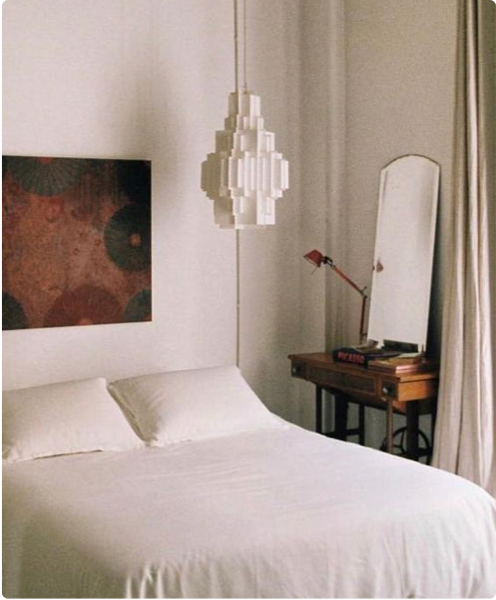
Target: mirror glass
<point>404,250</point>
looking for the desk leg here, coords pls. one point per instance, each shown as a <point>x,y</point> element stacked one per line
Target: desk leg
<point>412,429</point>
<point>318,409</point>
<point>361,424</point>
<point>389,426</point>
<point>433,421</point>
<point>341,416</point>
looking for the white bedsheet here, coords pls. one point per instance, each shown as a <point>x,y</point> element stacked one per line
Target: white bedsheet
<point>269,514</point>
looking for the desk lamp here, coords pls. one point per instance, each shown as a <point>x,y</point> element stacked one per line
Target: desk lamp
<point>317,259</point>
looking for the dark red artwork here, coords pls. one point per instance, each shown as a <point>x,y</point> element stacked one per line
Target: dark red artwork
<point>76,241</point>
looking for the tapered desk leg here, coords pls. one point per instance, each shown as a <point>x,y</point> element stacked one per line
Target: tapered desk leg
<point>341,416</point>
<point>361,424</point>
<point>412,429</point>
<point>389,426</point>
<point>433,421</point>
<point>318,409</point>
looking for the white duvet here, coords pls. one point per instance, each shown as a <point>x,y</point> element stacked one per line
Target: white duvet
<point>281,513</point>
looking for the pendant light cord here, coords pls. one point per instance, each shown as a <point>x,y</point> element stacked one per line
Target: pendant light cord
<point>238,299</point>
<point>236,47</point>
<point>244,47</point>
<point>236,53</point>
<point>238,241</point>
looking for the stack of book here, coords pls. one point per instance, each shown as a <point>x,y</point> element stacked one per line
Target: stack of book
<point>384,359</point>
<point>362,355</point>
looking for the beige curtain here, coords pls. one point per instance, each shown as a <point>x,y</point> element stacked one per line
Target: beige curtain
<point>465,430</point>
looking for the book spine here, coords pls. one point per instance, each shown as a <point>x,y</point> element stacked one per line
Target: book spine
<point>350,357</point>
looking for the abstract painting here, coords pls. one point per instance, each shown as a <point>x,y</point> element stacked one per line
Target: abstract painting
<point>76,241</point>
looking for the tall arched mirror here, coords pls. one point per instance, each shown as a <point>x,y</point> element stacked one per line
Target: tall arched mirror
<point>403,256</point>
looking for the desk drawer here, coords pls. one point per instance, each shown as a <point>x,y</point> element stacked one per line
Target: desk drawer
<point>342,381</point>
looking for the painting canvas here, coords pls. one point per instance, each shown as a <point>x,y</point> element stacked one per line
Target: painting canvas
<point>76,241</point>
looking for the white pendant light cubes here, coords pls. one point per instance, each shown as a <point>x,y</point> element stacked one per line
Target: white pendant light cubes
<point>245,175</point>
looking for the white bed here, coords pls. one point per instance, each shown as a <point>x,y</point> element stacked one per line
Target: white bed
<point>273,511</point>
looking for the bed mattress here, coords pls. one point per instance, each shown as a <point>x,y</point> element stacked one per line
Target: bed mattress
<point>281,513</point>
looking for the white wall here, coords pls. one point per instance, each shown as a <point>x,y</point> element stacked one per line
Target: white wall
<point>150,79</point>
<point>400,67</point>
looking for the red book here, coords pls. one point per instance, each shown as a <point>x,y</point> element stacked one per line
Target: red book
<point>361,357</point>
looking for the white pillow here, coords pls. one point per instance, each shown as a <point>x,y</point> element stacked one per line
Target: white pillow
<point>63,418</point>
<point>191,405</point>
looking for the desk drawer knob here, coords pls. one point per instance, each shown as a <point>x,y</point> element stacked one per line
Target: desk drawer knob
<point>298,370</point>
<point>388,390</point>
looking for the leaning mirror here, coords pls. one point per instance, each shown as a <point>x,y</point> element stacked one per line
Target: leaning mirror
<point>403,256</point>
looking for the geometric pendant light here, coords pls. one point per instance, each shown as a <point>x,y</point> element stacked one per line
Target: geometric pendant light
<point>245,175</point>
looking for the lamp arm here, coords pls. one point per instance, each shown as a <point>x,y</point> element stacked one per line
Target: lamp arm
<point>328,261</point>
<point>338,271</point>
<point>363,333</point>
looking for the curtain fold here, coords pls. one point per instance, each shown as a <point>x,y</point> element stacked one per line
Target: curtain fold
<point>465,430</point>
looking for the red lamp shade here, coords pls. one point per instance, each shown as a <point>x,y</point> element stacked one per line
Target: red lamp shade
<point>315,257</point>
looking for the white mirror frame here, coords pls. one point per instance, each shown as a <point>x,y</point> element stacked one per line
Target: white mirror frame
<point>404,251</point>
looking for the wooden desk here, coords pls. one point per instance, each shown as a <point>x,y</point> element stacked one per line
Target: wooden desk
<point>410,394</point>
